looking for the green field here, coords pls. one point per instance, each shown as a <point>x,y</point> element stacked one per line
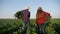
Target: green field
<point>13,26</point>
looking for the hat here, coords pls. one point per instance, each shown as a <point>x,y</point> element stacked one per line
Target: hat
<point>27,7</point>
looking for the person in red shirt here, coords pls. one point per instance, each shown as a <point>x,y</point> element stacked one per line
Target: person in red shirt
<point>41,18</point>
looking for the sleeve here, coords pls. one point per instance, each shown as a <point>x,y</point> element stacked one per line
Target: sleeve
<point>29,15</point>
<point>48,17</point>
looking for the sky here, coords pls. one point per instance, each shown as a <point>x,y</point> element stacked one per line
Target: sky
<point>9,7</point>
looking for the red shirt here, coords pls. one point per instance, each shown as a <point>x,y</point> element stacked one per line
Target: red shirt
<point>41,17</point>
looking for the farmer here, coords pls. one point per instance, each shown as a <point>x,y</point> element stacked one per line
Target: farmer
<point>41,18</point>
<point>26,19</point>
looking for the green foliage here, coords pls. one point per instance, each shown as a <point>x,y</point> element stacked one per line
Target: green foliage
<point>14,26</point>
<point>18,15</point>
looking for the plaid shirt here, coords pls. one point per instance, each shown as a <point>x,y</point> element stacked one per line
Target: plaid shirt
<point>25,15</point>
<point>41,17</point>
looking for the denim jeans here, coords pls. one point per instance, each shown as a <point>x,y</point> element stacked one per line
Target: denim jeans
<point>41,28</point>
<point>25,26</point>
